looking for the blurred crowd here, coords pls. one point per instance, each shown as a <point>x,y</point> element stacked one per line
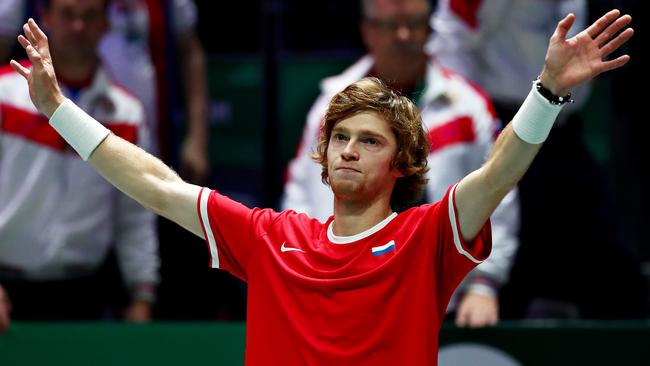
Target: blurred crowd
<point>569,243</point>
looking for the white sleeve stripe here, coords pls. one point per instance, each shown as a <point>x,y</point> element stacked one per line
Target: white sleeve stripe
<point>454,227</point>
<point>205,221</point>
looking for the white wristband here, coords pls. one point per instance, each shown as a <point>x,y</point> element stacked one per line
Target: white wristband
<point>78,129</point>
<point>535,118</point>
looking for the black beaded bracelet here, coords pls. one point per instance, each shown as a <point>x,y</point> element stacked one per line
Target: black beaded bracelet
<point>552,98</point>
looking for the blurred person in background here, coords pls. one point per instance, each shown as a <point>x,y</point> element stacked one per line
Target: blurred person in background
<point>152,49</point>
<point>500,45</point>
<point>58,217</point>
<point>147,44</point>
<point>461,126</point>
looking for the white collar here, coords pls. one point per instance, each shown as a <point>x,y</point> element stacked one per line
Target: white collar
<point>350,239</point>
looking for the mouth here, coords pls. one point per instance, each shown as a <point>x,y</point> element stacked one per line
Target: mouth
<point>347,169</point>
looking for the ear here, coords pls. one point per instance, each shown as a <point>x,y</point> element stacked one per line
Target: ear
<point>396,172</point>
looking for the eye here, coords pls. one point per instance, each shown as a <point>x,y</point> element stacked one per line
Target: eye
<point>340,137</point>
<point>370,141</point>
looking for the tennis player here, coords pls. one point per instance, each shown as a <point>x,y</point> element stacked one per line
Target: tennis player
<point>369,286</point>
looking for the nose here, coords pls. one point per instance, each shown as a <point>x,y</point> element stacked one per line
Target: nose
<point>350,152</point>
<point>78,25</point>
<point>403,33</point>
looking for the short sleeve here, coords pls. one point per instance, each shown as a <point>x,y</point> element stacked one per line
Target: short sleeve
<point>232,231</point>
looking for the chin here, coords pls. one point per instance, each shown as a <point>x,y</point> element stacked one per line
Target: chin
<point>344,188</point>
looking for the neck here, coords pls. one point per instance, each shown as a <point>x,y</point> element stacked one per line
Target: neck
<point>351,218</point>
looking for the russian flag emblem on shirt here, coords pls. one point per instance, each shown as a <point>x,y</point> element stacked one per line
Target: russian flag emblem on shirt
<point>384,248</point>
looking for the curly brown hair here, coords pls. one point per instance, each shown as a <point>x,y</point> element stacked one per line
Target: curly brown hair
<point>371,94</point>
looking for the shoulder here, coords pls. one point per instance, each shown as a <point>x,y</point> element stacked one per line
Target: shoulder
<point>356,71</point>
<point>123,95</point>
<point>127,106</point>
<point>463,93</point>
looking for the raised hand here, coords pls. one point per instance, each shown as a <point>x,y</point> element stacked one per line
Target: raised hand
<point>43,86</point>
<point>570,62</point>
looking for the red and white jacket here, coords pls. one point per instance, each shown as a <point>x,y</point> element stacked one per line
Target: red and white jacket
<point>501,44</point>
<point>58,216</point>
<point>461,126</point>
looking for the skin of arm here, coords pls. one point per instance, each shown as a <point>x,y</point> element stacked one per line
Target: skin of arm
<point>194,161</point>
<point>148,180</point>
<point>569,62</point>
<point>133,171</point>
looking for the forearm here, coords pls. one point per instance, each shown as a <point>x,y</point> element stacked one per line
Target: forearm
<point>147,180</point>
<point>508,162</point>
<point>135,172</point>
<point>479,194</point>
<point>194,72</point>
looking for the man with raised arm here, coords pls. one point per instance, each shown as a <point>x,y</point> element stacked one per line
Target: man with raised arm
<point>369,286</point>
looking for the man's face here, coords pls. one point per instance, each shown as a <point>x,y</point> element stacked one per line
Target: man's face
<point>75,27</point>
<point>359,155</point>
<point>396,30</point>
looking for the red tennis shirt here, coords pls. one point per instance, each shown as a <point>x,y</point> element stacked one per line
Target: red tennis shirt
<point>375,298</point>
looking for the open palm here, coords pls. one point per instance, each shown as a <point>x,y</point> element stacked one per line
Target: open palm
<point>43,87</point>
<point>572,61</point>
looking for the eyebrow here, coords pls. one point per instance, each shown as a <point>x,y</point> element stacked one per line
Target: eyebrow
<point>364,133</point>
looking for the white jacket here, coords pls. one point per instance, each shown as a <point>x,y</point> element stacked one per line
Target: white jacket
<point>501,44</point>
<point>461,125</point>
<point>58,216</point>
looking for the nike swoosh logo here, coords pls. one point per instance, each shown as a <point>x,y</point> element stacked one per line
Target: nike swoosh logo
<point>284,249</point>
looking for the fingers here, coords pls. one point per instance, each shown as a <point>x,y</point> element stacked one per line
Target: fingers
<point>23,41</point>
<point>564,25</point>
<point>20,69</point>
<point>617,42</point>
<point>595,29</point>
<point>612,29</point>
<point>28,45</point>
<point>36,30</point>
<point>32,54</point>
<point>462,318</point>
<point>614,64</point>
<point>476,319</point>
<point>29,35</point>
